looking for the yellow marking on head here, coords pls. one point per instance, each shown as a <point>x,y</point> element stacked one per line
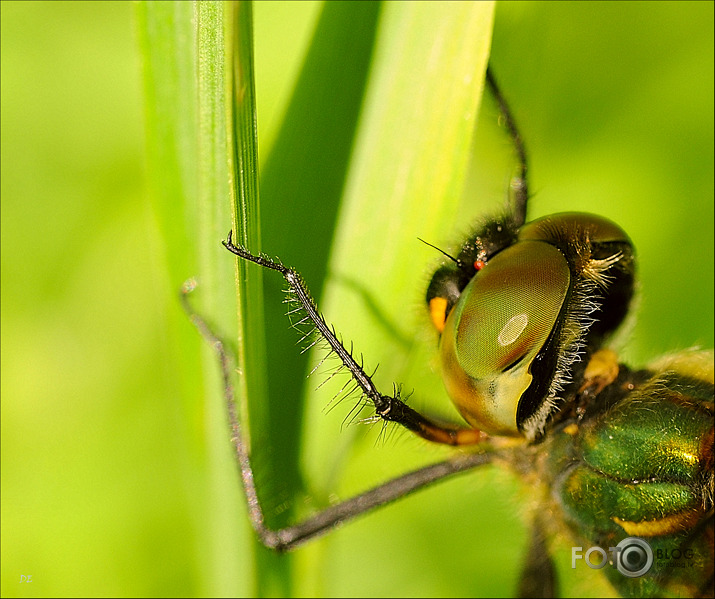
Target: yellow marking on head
<point>438,312</point>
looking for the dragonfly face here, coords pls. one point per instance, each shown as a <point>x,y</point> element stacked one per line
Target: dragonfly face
<point>616,454</point>
<point>520,307</point>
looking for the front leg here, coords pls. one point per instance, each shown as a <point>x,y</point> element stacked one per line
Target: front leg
<point>388,407</point>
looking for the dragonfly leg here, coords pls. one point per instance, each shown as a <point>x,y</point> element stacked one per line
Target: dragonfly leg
<point>388,407</point>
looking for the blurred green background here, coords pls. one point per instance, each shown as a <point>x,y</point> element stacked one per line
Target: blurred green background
<point>108,483</point>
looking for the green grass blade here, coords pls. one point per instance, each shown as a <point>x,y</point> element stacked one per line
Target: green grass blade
<point>273,571</point>
<point>406,179</point>
<point>185,52</point>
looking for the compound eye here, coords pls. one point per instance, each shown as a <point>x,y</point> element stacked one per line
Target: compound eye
<point>502,321</point>
<point>596,229</point>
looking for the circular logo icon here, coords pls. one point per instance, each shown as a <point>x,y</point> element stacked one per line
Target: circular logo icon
<point>634,557</point>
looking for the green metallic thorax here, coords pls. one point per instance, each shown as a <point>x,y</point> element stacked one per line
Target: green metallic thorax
<point>637,461</point>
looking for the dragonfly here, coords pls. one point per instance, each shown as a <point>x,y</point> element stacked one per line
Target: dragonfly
<point>620,459</point>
